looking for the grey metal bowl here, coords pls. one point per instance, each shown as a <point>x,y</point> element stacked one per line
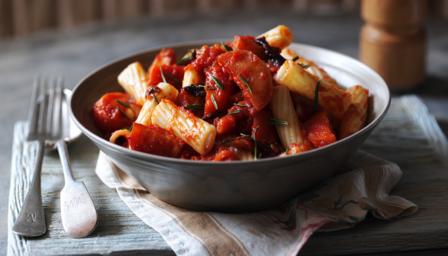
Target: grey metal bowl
<point>238,185</point>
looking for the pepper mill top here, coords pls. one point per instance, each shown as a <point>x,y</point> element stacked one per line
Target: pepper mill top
<point>393,40</point>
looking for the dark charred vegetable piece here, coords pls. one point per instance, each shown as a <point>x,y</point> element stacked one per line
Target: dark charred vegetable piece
<point>195,90</point>
<point>154,140</point>
<point>272,54</point>
<point>187,58</point>
<point>265,135</point>
<point>244,64</point>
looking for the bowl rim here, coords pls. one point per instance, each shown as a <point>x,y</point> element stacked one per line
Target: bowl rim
<point>149,157</point>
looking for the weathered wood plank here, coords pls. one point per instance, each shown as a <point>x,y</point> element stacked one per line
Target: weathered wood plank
<point>119,230</point>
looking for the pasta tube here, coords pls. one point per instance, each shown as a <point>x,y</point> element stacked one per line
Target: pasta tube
<point>330,97</point>
<point>118,134</point>
<point>161,91</point>
<point>308,65</point>
<point>280,36</point>
<point>245,155</point>
<point>356,115</point>
<point>289,130</point>
<point>133,80</point>
<point>191,76</point>
<point>196,132</point>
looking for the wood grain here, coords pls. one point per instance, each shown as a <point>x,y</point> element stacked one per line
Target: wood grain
<point>424,164</point>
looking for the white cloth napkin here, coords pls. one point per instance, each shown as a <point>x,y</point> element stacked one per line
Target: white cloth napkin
<point>339,203</point>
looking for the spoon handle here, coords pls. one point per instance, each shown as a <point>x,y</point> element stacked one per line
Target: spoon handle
<point>78,213</point>
<point>63,155</point>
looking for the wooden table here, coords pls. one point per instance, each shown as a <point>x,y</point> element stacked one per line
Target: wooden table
<point>74,54</point>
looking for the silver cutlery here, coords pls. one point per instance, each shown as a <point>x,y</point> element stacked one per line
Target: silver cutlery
<point>31,219</point>
<point>78,213</point>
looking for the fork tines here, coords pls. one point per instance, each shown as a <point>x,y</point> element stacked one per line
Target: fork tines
<point>45,111</point>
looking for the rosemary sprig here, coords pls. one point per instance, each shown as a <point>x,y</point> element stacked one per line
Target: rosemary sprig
<point>194,107</point>
<point>304,66</point>
<point>246,83</point>
<point>316,96</point>
<point>278,122</point>
<point>217,82</point>
<point>162,75</point>
<point>212,98</point>
<point>241,105</point>
<point>234,112</point>
<point>295,58</point>
<point>124,104</point>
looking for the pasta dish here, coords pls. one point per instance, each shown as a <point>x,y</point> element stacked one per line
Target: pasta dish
<point>249,98</point>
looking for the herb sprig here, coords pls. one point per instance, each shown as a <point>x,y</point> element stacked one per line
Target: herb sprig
<point>278,122</point>
<point>217,82</point>
<point>246,83</point>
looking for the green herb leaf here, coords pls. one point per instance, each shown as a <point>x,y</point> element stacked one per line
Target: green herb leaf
<point>246,83</point>
<point>217,82</point>
<point>162,75</point>
<point>122,112</point>
<point>212,98</point>
<point>241,105</point>
<point>295,58</point>
<point>124,104</point>
<point>226,47</point>
<point>316,96</point>
<point>187,58</point>
<point>194,107</point>
<point>234,112</point>
<point>278,122</point>
<point>304,66</point>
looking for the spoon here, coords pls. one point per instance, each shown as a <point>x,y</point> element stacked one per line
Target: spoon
<point>78,213</point>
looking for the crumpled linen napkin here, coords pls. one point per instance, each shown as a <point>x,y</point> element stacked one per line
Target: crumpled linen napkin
<point>338,203</point>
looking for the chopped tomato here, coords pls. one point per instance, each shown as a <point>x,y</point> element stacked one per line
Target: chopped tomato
<point>154,140</point>
<point>225,124</point>
<point>172,73</point>
<point>114,111</point>
<point>248,43</point>
<point>319,130</point>
<point>226,154</point>
<point>206,56</point>
<point>219,88</point>
<point>165,57</point>
<point>251,74</point>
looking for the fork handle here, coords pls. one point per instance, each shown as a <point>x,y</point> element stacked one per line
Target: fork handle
<point>31,219</point>
<point>63,155</point>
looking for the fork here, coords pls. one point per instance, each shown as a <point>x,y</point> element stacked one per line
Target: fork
<point>31,219</point>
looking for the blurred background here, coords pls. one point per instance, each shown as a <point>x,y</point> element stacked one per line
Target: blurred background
<point>23,17</point>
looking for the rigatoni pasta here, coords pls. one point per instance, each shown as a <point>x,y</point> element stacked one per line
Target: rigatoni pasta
<point>133,81</point>
<point>196,132</point>
<point>290,131</point>
<point>245,99</point>
<point>356,115</point>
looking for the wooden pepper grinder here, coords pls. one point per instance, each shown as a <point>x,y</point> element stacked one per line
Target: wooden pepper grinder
<point>393,40</point>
